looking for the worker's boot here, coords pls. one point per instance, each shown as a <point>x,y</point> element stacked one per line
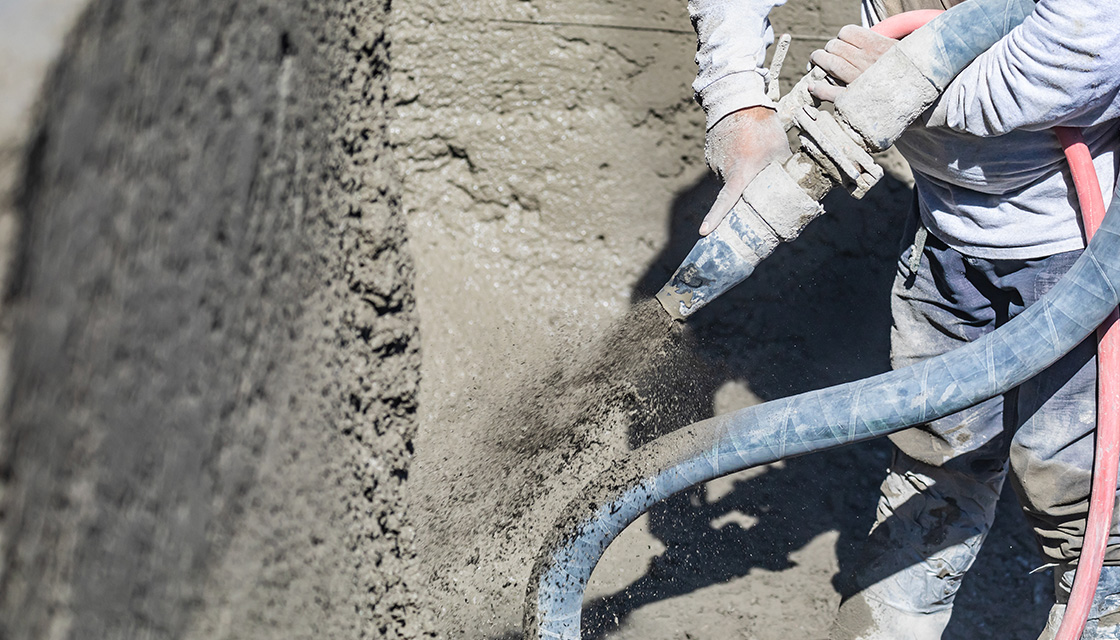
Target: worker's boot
<point>1104,616</point>
<point>862,617</point>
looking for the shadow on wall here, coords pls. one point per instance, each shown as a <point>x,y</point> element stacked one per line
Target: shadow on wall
<point>815,314</point>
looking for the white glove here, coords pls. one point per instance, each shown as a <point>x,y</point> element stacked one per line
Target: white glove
<point>845,57</point>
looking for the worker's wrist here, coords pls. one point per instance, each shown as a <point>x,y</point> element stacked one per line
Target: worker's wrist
<point>756,113</point>
<point>731,93</point>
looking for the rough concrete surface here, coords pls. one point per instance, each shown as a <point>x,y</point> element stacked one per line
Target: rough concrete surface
<point>215,359</point>
<point>552,166</point>
<point>31,37</point>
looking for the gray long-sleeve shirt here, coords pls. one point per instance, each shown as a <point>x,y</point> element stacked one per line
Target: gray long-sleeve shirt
<point>999,197</point>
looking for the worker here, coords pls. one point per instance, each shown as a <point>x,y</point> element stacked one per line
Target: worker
<point>994,225</point>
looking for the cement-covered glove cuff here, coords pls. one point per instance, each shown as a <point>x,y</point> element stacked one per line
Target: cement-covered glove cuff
<point>733,92</point>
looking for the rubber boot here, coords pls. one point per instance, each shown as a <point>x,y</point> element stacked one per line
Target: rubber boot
<point>1104,615</point>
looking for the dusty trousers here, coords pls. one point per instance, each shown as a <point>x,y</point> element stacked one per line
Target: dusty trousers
<point>938,500</point>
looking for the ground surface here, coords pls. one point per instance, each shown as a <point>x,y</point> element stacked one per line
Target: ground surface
<point>552,165</point>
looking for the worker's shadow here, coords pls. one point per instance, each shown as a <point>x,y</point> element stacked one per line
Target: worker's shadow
<point>816,313</point>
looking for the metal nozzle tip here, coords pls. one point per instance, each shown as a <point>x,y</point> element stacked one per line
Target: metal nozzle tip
<point>673,303</point>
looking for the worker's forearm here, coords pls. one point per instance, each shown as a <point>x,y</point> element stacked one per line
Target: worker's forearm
<point>733,36</point>
<point>1061,66</point>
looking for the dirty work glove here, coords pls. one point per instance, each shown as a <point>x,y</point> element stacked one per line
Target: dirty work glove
<point>845,57</point>
<point>737,147</point>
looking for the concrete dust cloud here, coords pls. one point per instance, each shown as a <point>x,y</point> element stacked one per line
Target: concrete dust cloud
<point>539,443</point>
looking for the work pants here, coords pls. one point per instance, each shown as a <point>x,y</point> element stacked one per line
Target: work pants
<point>938,500</point>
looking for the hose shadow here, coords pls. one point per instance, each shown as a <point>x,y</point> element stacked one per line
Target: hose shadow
<point>792,505</point>
<point>783,510</point>
<point>815,314</point>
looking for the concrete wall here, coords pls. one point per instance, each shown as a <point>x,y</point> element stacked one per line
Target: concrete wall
<point>553,173</point>
<point>215,359</point>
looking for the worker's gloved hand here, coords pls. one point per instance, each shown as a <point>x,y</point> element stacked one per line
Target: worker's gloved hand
<point>845,57</point>
<point>737,148</point>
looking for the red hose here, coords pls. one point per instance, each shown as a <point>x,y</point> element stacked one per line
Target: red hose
<point>1105,462</point>
<point>1102,497</point>
<point>901,25</point>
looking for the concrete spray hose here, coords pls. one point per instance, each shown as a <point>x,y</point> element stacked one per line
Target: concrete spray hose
<point>857,411</point>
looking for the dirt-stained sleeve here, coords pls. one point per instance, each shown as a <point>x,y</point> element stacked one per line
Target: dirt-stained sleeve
<point>732,40</point>
<point>1060,66</point>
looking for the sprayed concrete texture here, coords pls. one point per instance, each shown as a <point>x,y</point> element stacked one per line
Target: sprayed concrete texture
<point>214,353</point>
<point>552,168</point>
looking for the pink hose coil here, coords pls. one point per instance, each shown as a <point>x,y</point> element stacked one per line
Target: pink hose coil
<point>901,25</point>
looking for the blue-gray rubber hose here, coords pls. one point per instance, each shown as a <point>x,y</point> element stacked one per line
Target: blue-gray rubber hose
<point>815,421</point>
